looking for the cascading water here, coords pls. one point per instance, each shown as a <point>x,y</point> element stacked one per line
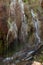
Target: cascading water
<point>35,21</point>
<point>13,30</point>
<point>19,19</point>
<point>17,15</point>
<point>17,12</point>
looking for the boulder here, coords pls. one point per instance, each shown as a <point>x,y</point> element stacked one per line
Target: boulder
<point>36,63</point>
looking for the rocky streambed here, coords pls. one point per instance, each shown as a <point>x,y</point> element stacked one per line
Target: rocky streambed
<point>24,57</point>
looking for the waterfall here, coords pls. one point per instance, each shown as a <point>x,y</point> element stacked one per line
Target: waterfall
<point>17,12</point>
<point>13,31</point>
<point>17,5</point>
<point>35,21</point>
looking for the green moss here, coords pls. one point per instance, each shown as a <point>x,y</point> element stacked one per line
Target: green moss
<point>25,1</point>
<point>39,55</point>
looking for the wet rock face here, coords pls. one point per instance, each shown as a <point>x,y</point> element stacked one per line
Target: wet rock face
<point>23,34</point>
<point>41,30</point>
<point>42,3</point>
<point>31,28</point>
<point>40,17</point>
<point>3,23</point>
<point>3,18</point>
